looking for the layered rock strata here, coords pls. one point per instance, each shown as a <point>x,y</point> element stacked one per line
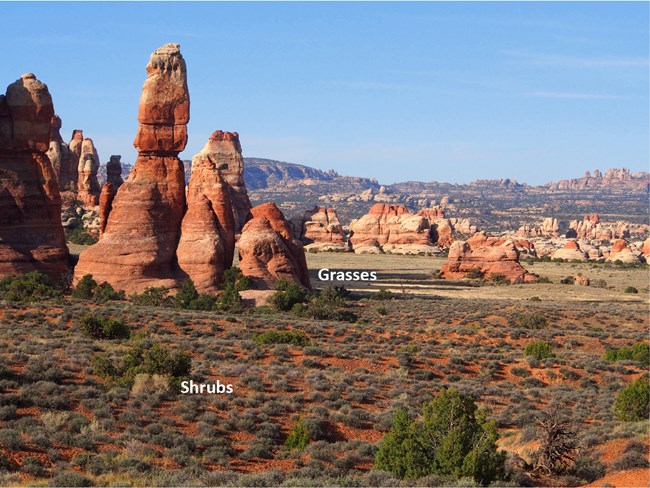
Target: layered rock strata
<point>490,255</point>
<point>142,230</point>
<point>319,229</point>
<point>31,234</point>
<point>268,251</point>
<point>391,229</point>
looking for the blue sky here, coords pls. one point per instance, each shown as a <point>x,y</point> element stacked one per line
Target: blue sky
<point>396,91</point>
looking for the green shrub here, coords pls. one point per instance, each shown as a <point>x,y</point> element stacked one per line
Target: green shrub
<point>499,279</point>
<point>533,320</point>
<point>88,289</point>
<point>633,402</point>
<point>295,337</point>
<point>475,274</point>
<point>234,277</point>
<point>329,305</point>
<point>153,297</point>
<point>287,295</point>
<point>79,236</point>
<point>569,280</point>
<point>141,359</point>
<point>631,289</point>
<point>298,438</point>
<point>230,300</point>
<point>104,328</point>
<point>454,439</point>
<point>31,287</point>
<point>539,350</point>
<point>71,478</point>
<point>188,298</point>
<point>638,352</point>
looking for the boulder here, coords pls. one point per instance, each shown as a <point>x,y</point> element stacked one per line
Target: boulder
<point>31,233</point>
<point>319,229</point>
<point>268,252</point>
<point>138,246</point>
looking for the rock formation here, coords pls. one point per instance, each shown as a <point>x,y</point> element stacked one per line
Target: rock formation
<point>622,252</point>
<point>224,149</point>
<point>267,250</point>
<point>31,234</point>
<point>207,242</point>
<point>75,153</point>
<point>391,229</point>
<point>105,205</point>
<point>491,255</point>
<point>548,228</point>
<point>319,229</point>
<point>87,184</point>
<point>114,172</point>
<point>591,227</point>
<point>138,246</point>
<point>571,251</point>
<point>61,157</point>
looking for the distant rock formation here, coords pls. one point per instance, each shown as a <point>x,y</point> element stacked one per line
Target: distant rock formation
<point>267,250</point>
<point>591,227</point>
<point>138,246</point>
<point>75,153</point>
<point>548,228</point>
<point>443,230</point>
<point>106,198</point>
<point>613,178</point>
<point>207,242</point>
<point>571,251</point>
<point>319,229</point>
<point>31,234</point>
<point>391,229</point>
<point>114,171</point>
<point>61,157</point>
<point>87,184</point>
<point>224,150</point>
<point>491,255</point>
<point>622,252</point>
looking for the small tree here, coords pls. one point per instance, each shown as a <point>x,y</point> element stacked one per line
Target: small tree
<point>633,402</point>
<point>298,438</point>
<point>454,439</point>
<point>539,350</point>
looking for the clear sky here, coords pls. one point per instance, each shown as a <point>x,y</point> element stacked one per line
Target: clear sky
<point>395,91</point>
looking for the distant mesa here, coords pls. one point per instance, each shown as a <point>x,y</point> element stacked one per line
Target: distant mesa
<point>268,251</point>
<point>31,233</point>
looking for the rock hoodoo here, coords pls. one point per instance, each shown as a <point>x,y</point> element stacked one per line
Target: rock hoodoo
<point>207,242</point>
<point>75,153</point>
<point>138,246</point>
<point>391,229</point>
<point>570,251</point>
<point>87,184</point>
<point>114,171</point>
<point>31,234</point>
<point>622,252</point>
<point>491,255</point>
<point>319,229</point>
<point>61,157</point>
<point>267,250</point>
<point>224,148</point>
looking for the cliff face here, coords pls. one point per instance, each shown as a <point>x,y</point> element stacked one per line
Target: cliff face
<point>31,234</point>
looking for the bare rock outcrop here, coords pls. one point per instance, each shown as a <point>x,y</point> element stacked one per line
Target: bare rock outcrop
<point>106,198</point>
<point>319,229</point>
<point>570,251</point>
<point>391,229</point>
<point>268,251</point>
<point>74,145</point>
<point>138,246</point>
<point>491,255</point>
<point>622,252</point>
<point>114,171</point>
<point>87,184</point>
<point>207,242</point>
<point>225,149</point>
<point>549,227</point>
<point>61,157</point>
<point>31,234</point>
